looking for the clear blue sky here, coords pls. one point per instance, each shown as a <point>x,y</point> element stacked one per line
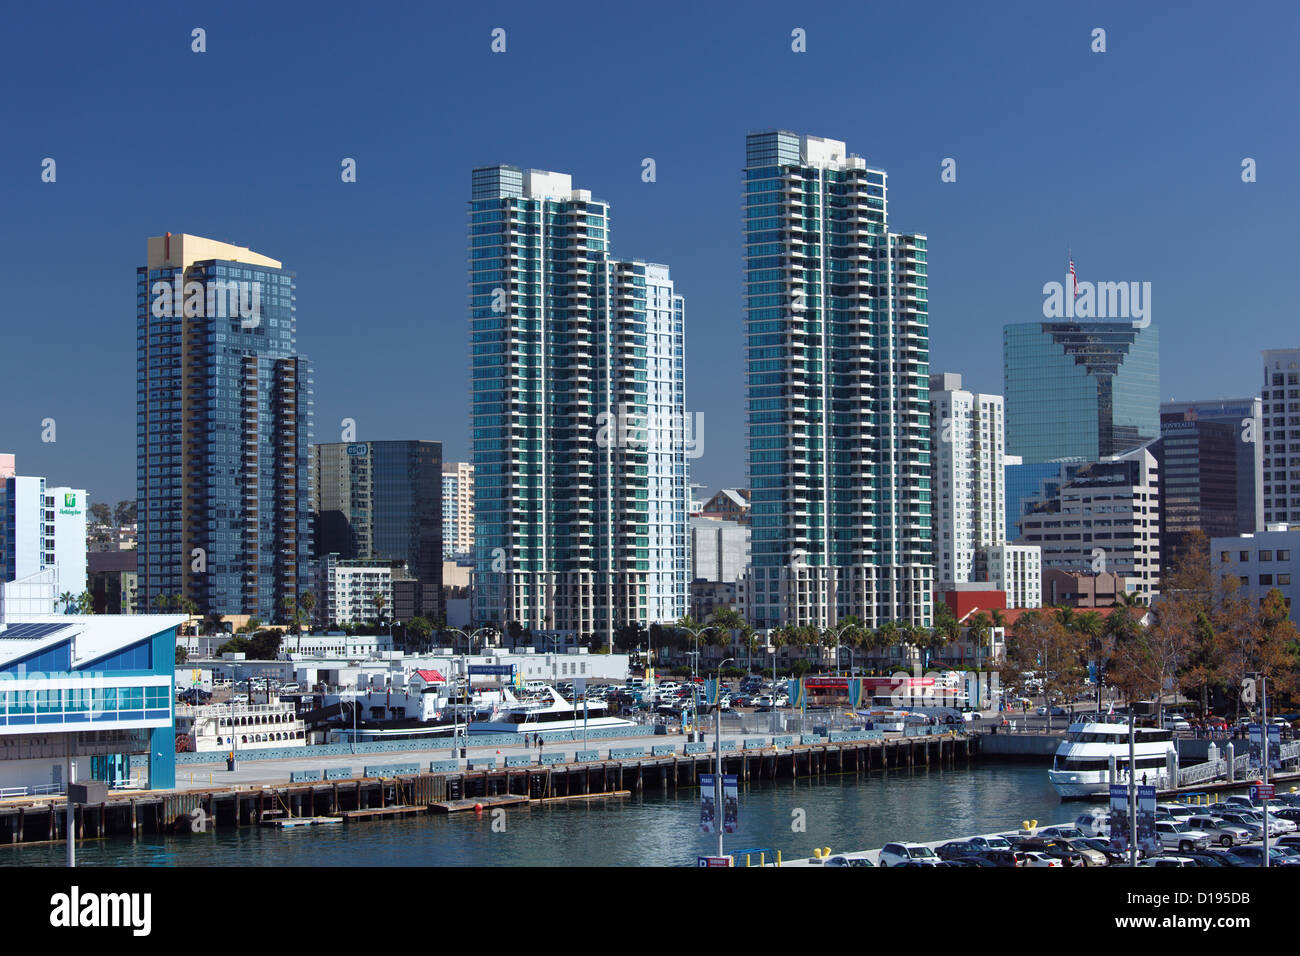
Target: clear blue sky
<point>1132,157</point>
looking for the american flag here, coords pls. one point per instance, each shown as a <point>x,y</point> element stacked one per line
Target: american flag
<point>1074,279</point>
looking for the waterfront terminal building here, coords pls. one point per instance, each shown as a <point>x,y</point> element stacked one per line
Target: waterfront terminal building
<point>87,698</point>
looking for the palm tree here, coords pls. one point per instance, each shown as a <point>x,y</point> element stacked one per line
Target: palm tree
<point>888,635</point>
<point>378,601</point>
<point>307,601</point>
<point>66,599</point>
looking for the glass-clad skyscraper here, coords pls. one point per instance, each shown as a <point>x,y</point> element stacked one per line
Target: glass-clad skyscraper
<point>1080,389</point>
<point>223,424</point>
<point>838,391</point>
<point>383,500</point>
<point>580,437</point>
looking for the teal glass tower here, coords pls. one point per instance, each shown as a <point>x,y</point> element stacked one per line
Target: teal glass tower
<point>1080,389</point>
<point>580,437</point>
<point>838,391</point>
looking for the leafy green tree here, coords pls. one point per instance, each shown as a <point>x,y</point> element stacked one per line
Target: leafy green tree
<point>182,655</point>
<point>85,603</point>
<point>125,513</point>
<point>419,630</point>
<point>99,514</point>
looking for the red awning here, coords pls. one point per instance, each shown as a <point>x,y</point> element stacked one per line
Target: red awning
<point>433,677</point>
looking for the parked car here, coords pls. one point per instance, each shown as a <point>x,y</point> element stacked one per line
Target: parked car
<point>1053,848</point>
<point>841,860</point>
<point>1056,711</point>
<point>1179,810</point>
<point>1251,825</point>
<point>239,699</point>
<point>990,843</point>
<point>974,861</point>
<point>1221,831</point>
<point>1067,831</point>
<point>1112,853</point>
<point>1177,723</point>
<point>957,848</point>
<point>1169,861</point>
<point>1254,856</point>
<point>1227,857</point>
<point>1094,822</point>
<point>1034,858</point>
<point>1089,855</point>
<point>1175,835</point>
<point>893,854</point>
<point>290,688</point>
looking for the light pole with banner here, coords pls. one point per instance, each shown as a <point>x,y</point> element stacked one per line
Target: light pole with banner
<point>718,814</point>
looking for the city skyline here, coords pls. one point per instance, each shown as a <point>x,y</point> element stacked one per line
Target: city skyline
<point>1123,212</point>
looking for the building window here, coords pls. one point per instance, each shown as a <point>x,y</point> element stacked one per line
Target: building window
<point>1243,555</point>
<point>1266,579</point>
<point>1284,555</point>
<point>1266,556</point>
<point>1284,579</point>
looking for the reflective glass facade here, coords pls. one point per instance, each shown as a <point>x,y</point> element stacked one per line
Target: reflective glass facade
<point>1080,389</point>
<point>223,424</point>
<point>383,500</point>
<point>838,391</point>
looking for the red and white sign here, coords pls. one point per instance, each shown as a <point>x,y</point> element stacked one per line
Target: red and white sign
<point>716,861</point>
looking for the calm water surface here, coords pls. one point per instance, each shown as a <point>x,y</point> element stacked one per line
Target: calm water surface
<point>651,829</point>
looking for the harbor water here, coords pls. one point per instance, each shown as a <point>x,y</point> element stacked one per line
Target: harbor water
<point>655,828</point>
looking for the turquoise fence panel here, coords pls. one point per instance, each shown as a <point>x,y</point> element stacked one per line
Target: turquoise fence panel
<point>482,763</point>
<point>302,776</point>
<point>726,745</point>
<point>444,766</point>
<point>754,743</point>
<point>811,739</point>
<point>662,750</point>
<point>523,760</point>
<point>785,741</point>
<point>548,759</point>
<point>694,748</point>
<point>337,773</point>
<point>391,770</point>
<point>626,753</point>
<point>586,756</point>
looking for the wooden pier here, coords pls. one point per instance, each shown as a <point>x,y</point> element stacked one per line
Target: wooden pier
<point>41,820</point>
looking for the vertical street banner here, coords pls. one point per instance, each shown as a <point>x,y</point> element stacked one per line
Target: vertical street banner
<point>1146,807</point>
<point>857,693</point>
<point>730,803</point>
<point>1256,747</point>
<point>795,692</point>
<point>1119,828</point>
<point>711,691</point>
<point>708,811</point>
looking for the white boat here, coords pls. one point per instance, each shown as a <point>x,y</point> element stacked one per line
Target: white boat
<point>548,712</point>
<point>1081,767</point>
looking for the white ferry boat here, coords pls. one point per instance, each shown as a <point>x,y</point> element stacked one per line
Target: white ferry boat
<point>1081,767</point>
<point>209,727</point>
<point>549,711</point>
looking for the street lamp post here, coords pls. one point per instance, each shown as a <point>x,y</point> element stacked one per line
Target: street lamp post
<point>718,814</point>
<point>695,662</point>
<point>838,632</point>
<point>464,666</point>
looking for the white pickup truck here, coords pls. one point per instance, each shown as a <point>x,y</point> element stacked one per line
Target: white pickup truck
<point>1179,836</point>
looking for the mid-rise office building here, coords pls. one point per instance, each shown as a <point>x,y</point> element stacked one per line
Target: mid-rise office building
<point>1080,389</point>
<point>1102,516</point>
<point>580,432</point>
<point>967,477</point>
<point>1261,561</point>
<point>42,534</point>
<point>1281,452</point>
<point>113,576</point>
<point>457,509</point>
<point>382,500</point>
<point>1208,470</point>
<point>223,424</point>
<point>1023,484</point>
<point>838,391</point>
<point>719,550</point>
